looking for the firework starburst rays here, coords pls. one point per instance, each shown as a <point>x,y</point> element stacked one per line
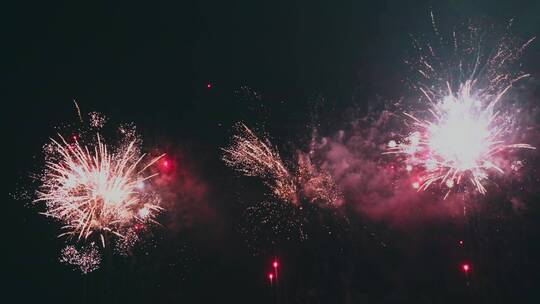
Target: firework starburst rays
<point>95,190</point>
<point>466,132</point>
<point>461,139</point>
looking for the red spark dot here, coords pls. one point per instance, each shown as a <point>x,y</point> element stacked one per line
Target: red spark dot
<point>209,86</point>
<point>461,242</point>
<point>275,264</point>
<point>165,163</point>
<point>466,267</point>
<point>270,276</point>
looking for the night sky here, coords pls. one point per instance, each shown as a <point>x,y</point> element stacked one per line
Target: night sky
<point>185,73</point>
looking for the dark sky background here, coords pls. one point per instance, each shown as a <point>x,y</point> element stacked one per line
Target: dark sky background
<point>150,63</point>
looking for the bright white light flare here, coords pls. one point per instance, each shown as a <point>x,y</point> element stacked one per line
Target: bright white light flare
<point>464,133</point>
<point>461,140</point>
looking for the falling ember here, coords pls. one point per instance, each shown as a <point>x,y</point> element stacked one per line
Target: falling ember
<point>464,135</point>
<point>275,265</point>
<point>466,268</point>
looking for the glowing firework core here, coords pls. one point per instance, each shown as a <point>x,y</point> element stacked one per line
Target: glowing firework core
<point>461,139</point>
<point>462,136</point>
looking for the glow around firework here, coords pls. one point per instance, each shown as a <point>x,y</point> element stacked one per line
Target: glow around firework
<point>465,134</point>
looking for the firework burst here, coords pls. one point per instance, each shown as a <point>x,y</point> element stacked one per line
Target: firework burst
<point>252,156</point>
<point>465,134</point>
<point>255,157</point>
<point>97,191</point>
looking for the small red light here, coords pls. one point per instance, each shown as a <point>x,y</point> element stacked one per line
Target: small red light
<point>270,276</point>
<point>209,86</point>
<point>461,242</point>
<point>166,165</point>
<point>466,267</point>
<point>275,264</point>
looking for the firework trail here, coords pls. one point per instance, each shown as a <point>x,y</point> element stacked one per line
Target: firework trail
<point>97,191</point>
<point>252,156</point>
<point>78,110</point>
<point>465,134</point>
